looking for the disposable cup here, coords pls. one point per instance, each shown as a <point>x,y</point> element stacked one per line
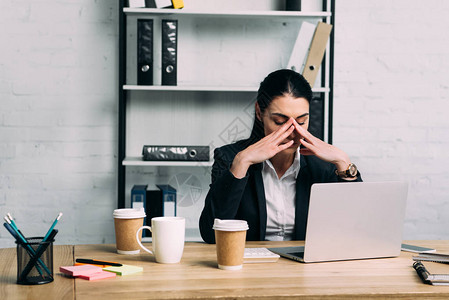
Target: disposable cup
<point>230,237</point>
<point>126,222</point>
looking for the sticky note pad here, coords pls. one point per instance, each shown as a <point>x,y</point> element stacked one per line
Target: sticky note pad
<point>79,270</point>
<point>124,270</point>
<point>98,276</point>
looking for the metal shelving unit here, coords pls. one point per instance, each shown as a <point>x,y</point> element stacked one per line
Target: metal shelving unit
<point>123,161</point>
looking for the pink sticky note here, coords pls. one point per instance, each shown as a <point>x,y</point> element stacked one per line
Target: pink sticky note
<point>98,276</point>
<point>80,270</point>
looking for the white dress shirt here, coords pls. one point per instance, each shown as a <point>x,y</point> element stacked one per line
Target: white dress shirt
<point>280,194</point>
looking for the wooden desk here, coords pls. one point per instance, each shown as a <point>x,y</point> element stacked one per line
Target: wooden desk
<point>60,288</point>
<point>197,277</point>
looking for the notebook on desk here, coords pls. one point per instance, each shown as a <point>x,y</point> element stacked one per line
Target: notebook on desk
<point>352,220</point>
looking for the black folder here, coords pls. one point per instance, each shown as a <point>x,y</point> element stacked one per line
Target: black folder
<point>175,153</point>
<point>154,205</point>
<point>144,52</point>
<point>169,52</point>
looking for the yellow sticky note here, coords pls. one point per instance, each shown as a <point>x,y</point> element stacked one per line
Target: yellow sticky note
<point>124,270</point>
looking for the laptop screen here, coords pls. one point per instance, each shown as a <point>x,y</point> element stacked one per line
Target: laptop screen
<point>354,220</point>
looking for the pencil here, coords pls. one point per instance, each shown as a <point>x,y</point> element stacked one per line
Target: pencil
<point>52,226</point>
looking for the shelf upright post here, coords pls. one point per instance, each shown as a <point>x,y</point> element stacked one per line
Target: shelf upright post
<point>329,5</point>
<point>327,67</point>
<point>121,108</point>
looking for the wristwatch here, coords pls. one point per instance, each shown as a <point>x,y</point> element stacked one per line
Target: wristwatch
<point>350,172</point>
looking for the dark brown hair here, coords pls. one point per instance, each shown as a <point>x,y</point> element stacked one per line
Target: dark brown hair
<point>279,83</point>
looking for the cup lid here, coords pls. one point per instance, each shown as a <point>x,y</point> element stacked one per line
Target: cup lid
<point>129,213</point>
<point>230,225</point>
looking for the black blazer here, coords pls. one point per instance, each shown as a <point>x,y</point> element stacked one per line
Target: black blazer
<point>244,199</point>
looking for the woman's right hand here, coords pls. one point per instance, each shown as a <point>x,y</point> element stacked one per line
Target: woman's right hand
<point>262,150</point>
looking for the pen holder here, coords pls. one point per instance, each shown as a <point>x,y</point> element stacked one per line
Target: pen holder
<point>35,261</point>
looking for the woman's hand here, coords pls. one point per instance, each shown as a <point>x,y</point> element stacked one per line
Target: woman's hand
<point>264,149</point>
<point>322,150</point>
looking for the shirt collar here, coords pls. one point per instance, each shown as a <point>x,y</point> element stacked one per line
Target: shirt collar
<point>294,168</point>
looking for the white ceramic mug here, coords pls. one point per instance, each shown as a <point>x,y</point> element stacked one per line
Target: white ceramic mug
<point>168,234</point>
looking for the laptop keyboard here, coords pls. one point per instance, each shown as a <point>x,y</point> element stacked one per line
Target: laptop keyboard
<point>259,255</point>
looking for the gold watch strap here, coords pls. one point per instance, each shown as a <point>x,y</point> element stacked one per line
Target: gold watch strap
<point>346,173</point>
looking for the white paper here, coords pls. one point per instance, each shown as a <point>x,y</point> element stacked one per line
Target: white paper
<point>136,3</point>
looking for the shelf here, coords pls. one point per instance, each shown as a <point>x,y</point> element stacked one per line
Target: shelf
<point>137,161</point>
<point>237,13</point>
<point>203,88</point>
<point>190,88</point>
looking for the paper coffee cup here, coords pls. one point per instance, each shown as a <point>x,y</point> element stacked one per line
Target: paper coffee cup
<point>126,222</point>
<point>230,237</point>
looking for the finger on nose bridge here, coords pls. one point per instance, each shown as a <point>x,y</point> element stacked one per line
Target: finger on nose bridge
<point>292,134</point>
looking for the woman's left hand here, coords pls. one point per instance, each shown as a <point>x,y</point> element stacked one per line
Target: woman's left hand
<point>322,150</point>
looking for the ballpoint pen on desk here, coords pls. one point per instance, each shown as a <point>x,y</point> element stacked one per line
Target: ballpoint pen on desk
<point>98,262</point>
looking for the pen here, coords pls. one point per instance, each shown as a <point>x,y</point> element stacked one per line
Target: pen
<point>97,262</point>
<point>8,215</point>
<point>11,231</point>
<point>52,226</point>
<point>13,224</point>
<point>13,227</point>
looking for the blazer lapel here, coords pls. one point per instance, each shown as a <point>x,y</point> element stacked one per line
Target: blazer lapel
<point>261,201</point>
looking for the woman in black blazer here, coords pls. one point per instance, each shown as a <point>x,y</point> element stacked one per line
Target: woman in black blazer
<point>241,177</point>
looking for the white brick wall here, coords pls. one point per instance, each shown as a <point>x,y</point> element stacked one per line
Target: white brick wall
<point>58,75</point>
<point>391,93</point>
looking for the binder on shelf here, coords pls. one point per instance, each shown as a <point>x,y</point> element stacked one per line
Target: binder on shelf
<point>138,200</point>
<point>145,65</point>
<point>316,52</point>
<point>175,153</point>
<point>153,206</point>
<point>301,48</point>
<point>168,200</point>
<point>169,52</point>
<point>138,196</point>
<point>293,5</point>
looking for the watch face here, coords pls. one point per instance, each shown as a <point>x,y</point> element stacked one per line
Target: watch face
<point>352,170</point>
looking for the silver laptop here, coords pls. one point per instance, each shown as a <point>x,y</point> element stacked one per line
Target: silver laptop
<point>352,220</point>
